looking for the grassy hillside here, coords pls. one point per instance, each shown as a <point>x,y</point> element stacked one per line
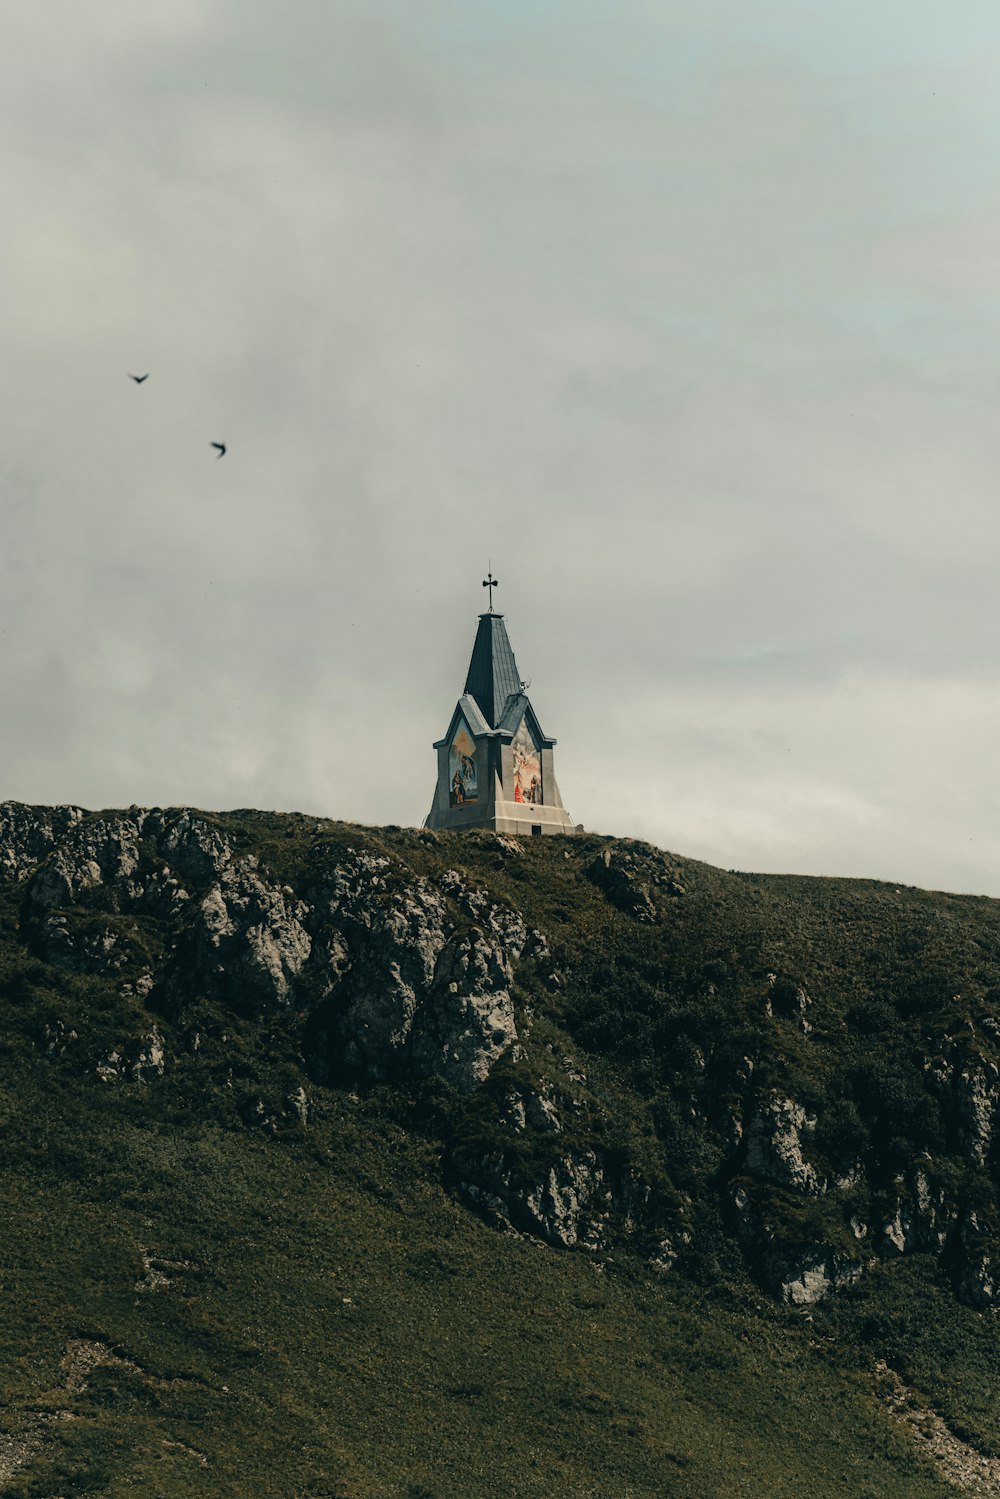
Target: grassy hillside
<point>253,1266</point>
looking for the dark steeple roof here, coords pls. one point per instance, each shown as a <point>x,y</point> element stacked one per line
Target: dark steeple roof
<point>493,674</point>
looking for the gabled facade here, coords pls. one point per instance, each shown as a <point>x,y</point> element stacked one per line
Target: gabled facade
<point>495,763</point>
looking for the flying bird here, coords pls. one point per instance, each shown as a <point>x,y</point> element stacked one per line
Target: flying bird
<point>139,378</point>
<point>221,447</point>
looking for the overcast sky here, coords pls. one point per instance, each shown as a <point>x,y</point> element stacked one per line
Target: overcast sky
<point>685,315</point>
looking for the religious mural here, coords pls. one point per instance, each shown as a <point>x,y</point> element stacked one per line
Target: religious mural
<point>527,766</point>
<point>463,783</point>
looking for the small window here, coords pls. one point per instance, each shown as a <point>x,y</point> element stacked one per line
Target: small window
<point>536,830</point>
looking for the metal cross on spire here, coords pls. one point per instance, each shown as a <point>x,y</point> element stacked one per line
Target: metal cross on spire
<point>490,582</point>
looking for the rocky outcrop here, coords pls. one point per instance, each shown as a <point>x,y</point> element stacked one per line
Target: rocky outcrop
<point>531,1108</point>
<point>977,1096</point>
<point>774,1145</point>
<point>787,1001</point>
<point>797,1273</point>
<point>140,1061</point>
<point>614,871</point>
<point>87,950</point>
<point>95,851</point>
<point>977,1268</point>
<point>628,873</point>
<point>408,994</point>
<point>249,942</point>
<point>379,962</point>
<point>189,842</point>
<point>803,1279</point>
<point>918,1218</point>
<point>467,1021</point>
<point>29,834</point>
<point>565,1207</point>
<point>967,1081</point>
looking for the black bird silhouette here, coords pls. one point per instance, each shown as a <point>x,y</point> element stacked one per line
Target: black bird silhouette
<point>139,378</point>
<point>221,447</point>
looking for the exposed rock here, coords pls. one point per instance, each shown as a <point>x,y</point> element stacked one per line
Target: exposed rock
<point>669,1251</point>
<point>58,1039</point>
<point>977,1095</point>
<point>470,899</point>
<point>920,1221</point>
<point>531,1108</point>
<point>467,1022</point>
<point>977,1274</point>
<point>84,1355</point>
<point>298,1102</point>
<point>799,1274</point>
<point>153,1277</point>
<point>960,1465</point>
<point>150,1059</point>
<point>813,1274</point>
<point>29,834</point>
<point>509,848</point>
<point>558,1205</point>
<point>193,844</point>
<point>142,1061</point>
<point>81,951</point>
<point>110,1068</point>
<point>562,1209</point>
<point>250,941</point>
<point>411,996</point>
<point>614,871</point>
<point>774,1145</point>
<point>787,1001</point>
<point>95,851</point>
<point>18,1448</point>
<point>163,894</point>
<point>385,961</point>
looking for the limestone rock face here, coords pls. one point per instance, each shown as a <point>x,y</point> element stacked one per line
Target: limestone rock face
<point>467,1023</point>
<point>81,952</point>
<point>532,1108</point>
<point>141,1061</point>
<point>413,995</point>
<point>920,1220</point>
<point>250,941</point>
<point>977,1095</point>
<point>376,958</point>
<point>559,1203</point>
<point>563,1208</point>
<point>813,1275</point>
<point>799,1274</point>
<point>774,1145</point>
<point>615,873</point>
<point>967,1081</point>
<point>787,1001</point>
<point>629,872</point>
<point>100,851</point>
<point>193,845</point>
<point>978,1277</point>
<point>29,834</point>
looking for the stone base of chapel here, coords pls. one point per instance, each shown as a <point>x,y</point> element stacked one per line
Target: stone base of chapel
<point>503,817</point>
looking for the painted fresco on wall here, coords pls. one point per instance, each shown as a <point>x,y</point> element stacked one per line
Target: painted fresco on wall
<point>527,766</point>
<point>463,783</point>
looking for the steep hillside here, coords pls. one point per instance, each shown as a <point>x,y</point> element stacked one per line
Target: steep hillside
<point>375,1162</point>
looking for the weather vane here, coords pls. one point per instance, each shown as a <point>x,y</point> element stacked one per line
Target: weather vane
<point>490,582</point>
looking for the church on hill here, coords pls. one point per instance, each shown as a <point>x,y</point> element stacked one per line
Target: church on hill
<point>495,764</point>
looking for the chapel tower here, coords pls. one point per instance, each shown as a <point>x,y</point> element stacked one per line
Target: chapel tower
<point>495,764</point>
